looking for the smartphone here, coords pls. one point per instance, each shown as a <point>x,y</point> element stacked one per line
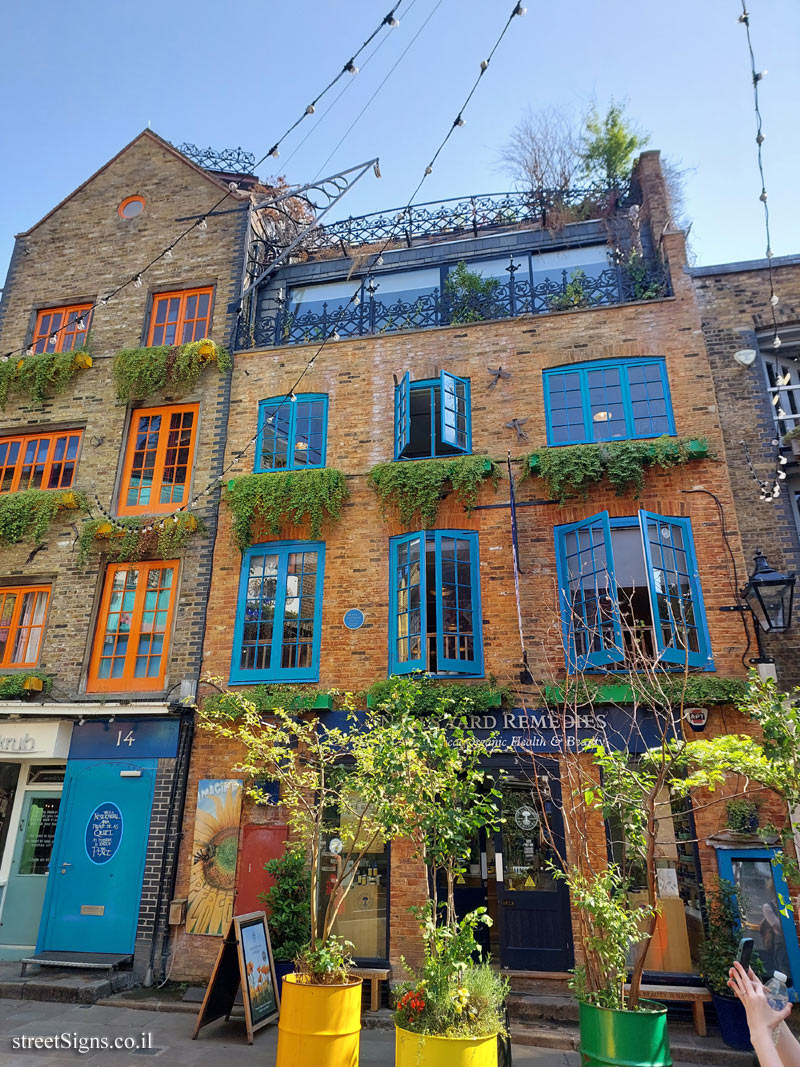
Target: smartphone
<point>745,952</point>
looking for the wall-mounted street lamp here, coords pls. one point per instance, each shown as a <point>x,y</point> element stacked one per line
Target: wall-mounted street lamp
<point>769,596</point>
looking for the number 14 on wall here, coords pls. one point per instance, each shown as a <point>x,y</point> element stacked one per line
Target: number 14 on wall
<point>128,739</point>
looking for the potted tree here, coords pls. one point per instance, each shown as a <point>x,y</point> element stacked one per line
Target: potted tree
<point>288,900</point>
<point>363,772</point>
<point>724,922</point>
<point>451,1011</point>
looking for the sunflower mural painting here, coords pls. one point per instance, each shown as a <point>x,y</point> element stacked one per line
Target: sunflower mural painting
<point>216,843</point>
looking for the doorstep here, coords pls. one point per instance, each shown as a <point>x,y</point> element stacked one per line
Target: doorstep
<point>65,986</point>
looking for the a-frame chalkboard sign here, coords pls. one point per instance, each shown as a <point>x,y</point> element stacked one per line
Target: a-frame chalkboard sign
<point>244,959</point>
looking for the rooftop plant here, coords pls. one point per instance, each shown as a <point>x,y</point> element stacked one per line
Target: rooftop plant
<point>130,539</point>
<point>569,471</point>
<point>469,295</point>
<point>416,488</point>
<point>27,515</point>
<point>278,498</point>
<point>140,372</point>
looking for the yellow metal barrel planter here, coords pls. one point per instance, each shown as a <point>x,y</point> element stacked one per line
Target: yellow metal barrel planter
<point>426,1050</point>
<point>319,1025</point>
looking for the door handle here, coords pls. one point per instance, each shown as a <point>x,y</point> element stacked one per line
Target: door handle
<point>64,867</point>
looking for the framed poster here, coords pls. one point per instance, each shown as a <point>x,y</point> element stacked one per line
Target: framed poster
<point>259,988</point>
<point>216,844</point>
<point>244,959</point>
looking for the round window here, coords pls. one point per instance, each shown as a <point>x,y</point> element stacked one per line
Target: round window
<point>131,207</point>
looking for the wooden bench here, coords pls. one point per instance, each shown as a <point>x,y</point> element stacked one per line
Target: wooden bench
<point>696,995</point>
<point>375,975</point>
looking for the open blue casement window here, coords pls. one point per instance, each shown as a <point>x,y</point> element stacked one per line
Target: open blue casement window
<point>432,417</point>
<point>768,917</point>
<point>292,434</point>
<point>590,617</point>
<point>630,587</point>
<point>676,598</point>
<point>279,612</point>
<point>607,400</point>
<point>434,603</point>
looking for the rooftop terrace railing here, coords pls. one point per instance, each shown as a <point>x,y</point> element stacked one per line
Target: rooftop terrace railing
<point>576,289</point>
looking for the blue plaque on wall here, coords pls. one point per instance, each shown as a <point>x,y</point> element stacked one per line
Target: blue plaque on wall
<point>353,619</point>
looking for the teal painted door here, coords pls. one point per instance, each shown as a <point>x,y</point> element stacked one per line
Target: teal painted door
<point>27,879</point>
<point>92,902</point>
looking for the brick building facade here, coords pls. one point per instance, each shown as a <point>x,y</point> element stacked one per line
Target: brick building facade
<point>394,358</point>
<point>112,653</point>
<point>755,411</point>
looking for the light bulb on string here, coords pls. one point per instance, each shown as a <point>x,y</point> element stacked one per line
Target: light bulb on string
<point>80,323</point>
<point>459,121</point>
<point>351,68</point>
<point>168,254</point>
<point>774,300</point>
<point>356,300</point>
<point>273,152</point>
<point>202,224</point>
<point>137,281</point>
<point>28,351</point>
<point>310,109</point>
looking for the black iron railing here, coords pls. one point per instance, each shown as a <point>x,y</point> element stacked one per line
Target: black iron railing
<point>615,285</point>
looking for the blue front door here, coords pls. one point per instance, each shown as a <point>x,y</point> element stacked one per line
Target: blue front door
<point>95,883</point>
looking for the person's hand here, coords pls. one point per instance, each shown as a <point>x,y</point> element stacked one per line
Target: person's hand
<point>748,988</point>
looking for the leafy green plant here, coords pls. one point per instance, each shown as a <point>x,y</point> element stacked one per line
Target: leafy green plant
<point>416,489</point>
<point>610,927</point>
<point>286,695</point>
<point>693,690</point>
<point>432,694</point>
<point>645,282</point>
<point>609,146</point>
<point>12,686</point>
<point>742,815</point>
<point>575,293</point>
<point>569,471</point>
<point>725,906</point>
<point>40,375</point>
<point>130,539</point>
<point>289,903</point>
<point>469,295</point>
<point>28,515</point>
<point>792,435</point>
<point>452,996</point>
<point>325,962</point>
<point>140,372</point>
<point>272,500</point>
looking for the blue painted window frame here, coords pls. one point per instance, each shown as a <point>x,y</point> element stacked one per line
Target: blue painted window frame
<point>402,415</point>
<point>276,673</point>
<point>277,401</point>
<point>725,858</point>
<point>582,371</point>
<point>469,667</point>
<point>606,657</point>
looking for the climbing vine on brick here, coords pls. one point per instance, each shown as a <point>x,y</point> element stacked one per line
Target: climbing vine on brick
<point>416,488</point>
<point>140,372</point>
<point>279,498</point>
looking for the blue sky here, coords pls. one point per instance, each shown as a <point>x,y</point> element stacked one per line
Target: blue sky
<point>79,80</point>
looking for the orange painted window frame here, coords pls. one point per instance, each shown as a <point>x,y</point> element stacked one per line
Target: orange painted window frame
<point>183,296</point>
<point>128,682</point>
<point>42,333</point>
<point>14,622</point>
<point>17,466</point>
<point>155,508</point>
<point>130,200</point>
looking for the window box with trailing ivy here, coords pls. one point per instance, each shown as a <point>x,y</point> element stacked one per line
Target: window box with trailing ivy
<point>41,375</point>
<point>276,499</point>
<point>692,691</point>
<point>25,684</point>
<point>176,369</point>
<point>415,490</point>
<point>28,514</point>
<point>267,698</point>
<point>570,471</point>
<point>480,698</point>
<point>129,539</point>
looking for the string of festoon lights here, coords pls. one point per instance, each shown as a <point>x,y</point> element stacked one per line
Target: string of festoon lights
<point>201,223</point>
<point>770,488</point>
<point>377,260</point>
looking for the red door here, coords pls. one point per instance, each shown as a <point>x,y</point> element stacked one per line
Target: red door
<point>259,844</point>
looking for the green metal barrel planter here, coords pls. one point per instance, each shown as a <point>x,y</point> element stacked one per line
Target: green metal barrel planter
<point>612,1038</point>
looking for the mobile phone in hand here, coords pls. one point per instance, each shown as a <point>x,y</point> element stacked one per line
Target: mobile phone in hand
<point>745,952</point>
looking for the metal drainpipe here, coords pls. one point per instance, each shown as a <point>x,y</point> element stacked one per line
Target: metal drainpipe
<point>174,833</point>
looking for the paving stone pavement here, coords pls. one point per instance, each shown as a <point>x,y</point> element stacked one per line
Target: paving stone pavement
<point>170,1034</point>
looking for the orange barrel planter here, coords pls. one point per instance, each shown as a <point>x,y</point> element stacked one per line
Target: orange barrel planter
<point>425,1050</point>
<point>319,1025</point>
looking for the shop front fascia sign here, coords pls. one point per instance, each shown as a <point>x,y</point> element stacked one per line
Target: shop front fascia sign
<point>34,740</point>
